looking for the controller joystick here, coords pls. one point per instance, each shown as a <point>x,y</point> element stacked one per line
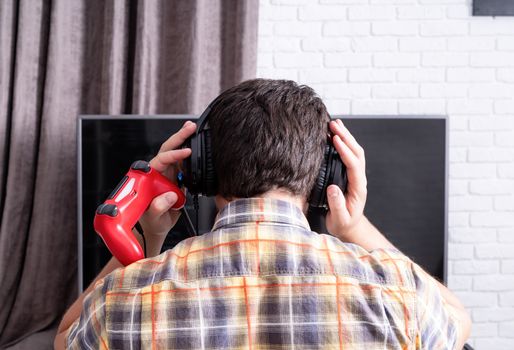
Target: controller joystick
<point>115,218</point>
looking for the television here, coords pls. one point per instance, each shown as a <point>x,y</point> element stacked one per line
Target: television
<point>406,166</point>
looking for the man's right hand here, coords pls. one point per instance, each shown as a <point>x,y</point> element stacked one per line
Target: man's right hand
<point>346,211</point>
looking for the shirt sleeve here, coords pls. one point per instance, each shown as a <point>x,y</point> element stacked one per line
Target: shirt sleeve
<point>437,325</point>
<point>89,331</point>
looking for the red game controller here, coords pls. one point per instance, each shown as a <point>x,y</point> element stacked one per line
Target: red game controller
<point>115,218</point>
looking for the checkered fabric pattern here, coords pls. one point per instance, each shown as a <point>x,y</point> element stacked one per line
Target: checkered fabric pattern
<point>261,279</point>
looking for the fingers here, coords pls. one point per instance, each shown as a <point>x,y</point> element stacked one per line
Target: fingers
<point>178,138</point>
<point>337,205</point>
<point>339,129</point>
<point>352,155</point>
<point>164,159</point>
<point>161,204</point>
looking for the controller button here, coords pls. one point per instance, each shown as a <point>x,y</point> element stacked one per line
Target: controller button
<point>141,165</point>
<point>107,209</point>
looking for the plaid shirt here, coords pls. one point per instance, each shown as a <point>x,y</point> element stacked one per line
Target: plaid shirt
<point>262,279</point>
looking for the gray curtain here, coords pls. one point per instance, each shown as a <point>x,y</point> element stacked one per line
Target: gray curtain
<point>62,58</point>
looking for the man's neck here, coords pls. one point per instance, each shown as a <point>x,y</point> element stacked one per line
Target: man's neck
<point>281,194</point>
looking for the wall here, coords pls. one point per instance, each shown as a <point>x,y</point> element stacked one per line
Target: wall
<point>423,57</point>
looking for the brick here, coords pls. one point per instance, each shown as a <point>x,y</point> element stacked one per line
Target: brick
<point>396,59</point>
<point>421,75</point>
<point>350,29</point>
<point>472,171</point>
<point>472,235</point>
<point>420,12</point>
<point>491,59</point>
<point>496,27</point>
<point>321,13</point>
<point>506,298</point>
<point>422,106</point>
<point>374,107</point>
<point>371,12</point>
<point>484,329</point>
<point>347,60</point>
<point>476,299</point>
<point>450,28</point>
<point>504,106</point>
<point>493,219</point>
<point>458,122</point>
<point>494,250</point>
<point>470,44</point>
<point>493,343</point>
<point>491,187</point>
<point>470,203</point>
<point>344,2</point>
<point>443,90</point>
<point>323,75</point>
<point>491,123</point>
<point>469,106</point>
<point>506,329</point>
<point>508,266</point>
<point>326,45</point>
<point>290,2</point>
<point>400,28</point>
<point>505,44</point>
<point>422,44</point>
<point>395,90</point>
<point>505,139</point>
<point>459,251</point>
<point>456,220</point>
<point>297,60</point>
<point>493,283</point>
<point>444,59</point>
<point>264,60</point>
<point>490,155</point>
<point>506,171</point>
<point>296,29</point>
<point>505,75</point>
<point>471,75</point>
<point>458,11</point>
<point>337,106</point>
<point>265,29</point>
<point>279,45</point>
<point>347,91</point>
<point>456,283</point>
<point>506,235</point>
<point>494,90</point>
<point>277,13</point>
<point>476,268</point>
<point>458,187</point>
<point>371,75</point>
<point>504,203</point>
<point>458,155</point>
<point>274,73</point>
<point>374,44</point>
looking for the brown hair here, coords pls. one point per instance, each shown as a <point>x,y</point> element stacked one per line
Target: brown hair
<point>267,134</point>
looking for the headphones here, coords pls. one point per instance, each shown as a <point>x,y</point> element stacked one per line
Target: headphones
<point>200,177</point>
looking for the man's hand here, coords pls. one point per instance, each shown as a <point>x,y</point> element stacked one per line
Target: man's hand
<point>158,219</point>
<point>346,211</point>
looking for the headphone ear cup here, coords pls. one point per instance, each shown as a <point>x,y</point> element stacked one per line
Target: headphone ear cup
<point>209,183</point>
<point>318,191</point>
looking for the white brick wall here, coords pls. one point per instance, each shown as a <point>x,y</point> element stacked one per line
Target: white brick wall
<point>423,57</point>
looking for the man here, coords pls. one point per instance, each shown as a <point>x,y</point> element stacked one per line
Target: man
<point>261,278</point>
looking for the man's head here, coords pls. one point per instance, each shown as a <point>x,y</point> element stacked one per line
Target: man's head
<point>267,135</point>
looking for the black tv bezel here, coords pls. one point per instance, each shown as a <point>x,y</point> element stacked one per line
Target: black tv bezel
<point>83,117</point>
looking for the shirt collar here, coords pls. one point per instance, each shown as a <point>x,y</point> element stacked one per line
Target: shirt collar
<point>251,210</point>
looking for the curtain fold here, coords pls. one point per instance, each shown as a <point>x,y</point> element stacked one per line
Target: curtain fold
<point>62,58</point>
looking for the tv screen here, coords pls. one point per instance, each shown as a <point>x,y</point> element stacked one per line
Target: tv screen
<point>406,163</point>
